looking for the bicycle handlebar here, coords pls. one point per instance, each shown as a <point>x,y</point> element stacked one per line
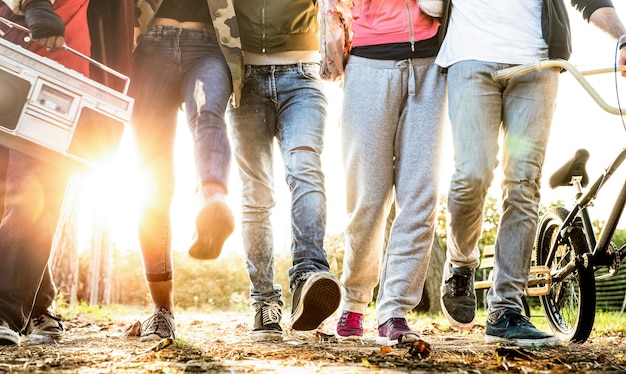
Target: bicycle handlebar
<point>516,71</point>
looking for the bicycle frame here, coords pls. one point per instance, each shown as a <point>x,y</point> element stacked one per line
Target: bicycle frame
<point>565,243</point>
<point>599,252</point>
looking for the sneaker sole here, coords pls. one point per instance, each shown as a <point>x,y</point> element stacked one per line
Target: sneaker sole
<point>152,337</point>
<point>318,302</point>
<point>456,324</point>
<point>214,224</point>
<point>349,338</point>
<point>266,336</point>
<point>9,337</point>
<point>550,341</point>
<point>408,339</point>
<point>49,334</point>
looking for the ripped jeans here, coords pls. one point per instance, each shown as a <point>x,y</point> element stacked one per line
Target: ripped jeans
<point>286,103</point>
<point>481,111</point>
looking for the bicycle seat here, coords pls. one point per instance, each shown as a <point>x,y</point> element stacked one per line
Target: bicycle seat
<point>574,167</point>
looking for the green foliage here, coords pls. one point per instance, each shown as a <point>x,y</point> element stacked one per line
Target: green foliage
<point>491,218</point>
<point>221,284</point>
<point>98,313</point>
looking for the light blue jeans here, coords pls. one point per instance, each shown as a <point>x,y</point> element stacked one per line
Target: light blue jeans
<point>174,66</point>
<point>481,110</point>
<point>286,103</point>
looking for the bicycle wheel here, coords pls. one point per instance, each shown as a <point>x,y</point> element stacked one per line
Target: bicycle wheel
<point>571,304</point>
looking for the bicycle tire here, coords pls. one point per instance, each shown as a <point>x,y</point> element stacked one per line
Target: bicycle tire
<point>570,305</point>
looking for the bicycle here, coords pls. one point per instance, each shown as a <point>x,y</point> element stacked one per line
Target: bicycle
<point>567,253</point>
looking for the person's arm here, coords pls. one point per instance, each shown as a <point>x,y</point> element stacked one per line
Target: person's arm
<point>46,27</point>
<point>607,20</point>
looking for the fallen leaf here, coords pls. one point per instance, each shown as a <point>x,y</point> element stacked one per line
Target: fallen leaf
<point>419,349</point>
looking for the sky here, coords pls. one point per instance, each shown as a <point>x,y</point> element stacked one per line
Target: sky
<point>578,123</point>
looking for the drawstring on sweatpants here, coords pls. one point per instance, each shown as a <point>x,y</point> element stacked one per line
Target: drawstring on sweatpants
<point>411,79</point>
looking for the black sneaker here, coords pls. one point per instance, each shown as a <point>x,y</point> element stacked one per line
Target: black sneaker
<point>8,337</point>
<point>267,323</point>
<point>458,297</point>
<point>514,328</point>
<point>314,300</point>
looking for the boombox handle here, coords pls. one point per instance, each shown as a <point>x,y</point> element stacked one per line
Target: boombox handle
<point>96,63</point>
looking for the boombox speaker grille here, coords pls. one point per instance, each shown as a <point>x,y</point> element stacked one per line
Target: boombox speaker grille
<point>96,136</point>
<point>13,95</point>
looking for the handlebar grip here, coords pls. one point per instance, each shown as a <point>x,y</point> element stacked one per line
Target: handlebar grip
<point>515,71</point>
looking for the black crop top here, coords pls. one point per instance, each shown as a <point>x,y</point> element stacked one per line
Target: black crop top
<point>185,10</point>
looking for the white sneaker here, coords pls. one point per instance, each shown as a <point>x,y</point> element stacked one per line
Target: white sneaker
<point>8,336</point>
<point>46,325</point>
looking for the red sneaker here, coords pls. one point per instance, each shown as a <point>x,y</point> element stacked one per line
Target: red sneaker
<point>395,331</point>
<point>350,325</point>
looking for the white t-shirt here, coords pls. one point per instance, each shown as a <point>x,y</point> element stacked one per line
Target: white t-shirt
<point>502,31</point>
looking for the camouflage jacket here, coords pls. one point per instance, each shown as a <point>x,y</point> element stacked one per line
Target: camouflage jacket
<point>223,16</point>
<point>17,6</point>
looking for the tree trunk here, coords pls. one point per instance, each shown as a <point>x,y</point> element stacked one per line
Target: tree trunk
<point>432,287</point>
<point>100,269</point>
<point>64,259</point>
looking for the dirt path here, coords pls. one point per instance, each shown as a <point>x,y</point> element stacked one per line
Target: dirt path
<point>218,343</point>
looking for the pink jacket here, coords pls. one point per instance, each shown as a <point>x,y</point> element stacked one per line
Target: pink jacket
<point>390,21</point>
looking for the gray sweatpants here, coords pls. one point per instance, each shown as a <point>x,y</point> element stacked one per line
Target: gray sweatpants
<point>392,136</point>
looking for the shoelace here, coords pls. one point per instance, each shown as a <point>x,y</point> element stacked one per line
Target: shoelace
<point>38,321</point>
<point>271,313</point>
<point>516,319</point>
<point>42,319</point>
<point>303,277</point>
<point>460,284</point>
<point>348,318</point>
<point>397,324</point>
<point>157,321</point>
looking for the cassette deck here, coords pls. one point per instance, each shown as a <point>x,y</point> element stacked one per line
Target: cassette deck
<point>57,114</point>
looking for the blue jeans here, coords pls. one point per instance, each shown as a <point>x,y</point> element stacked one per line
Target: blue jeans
<point>480,111</point>
<point>174,66</point>
<point>285,102</point>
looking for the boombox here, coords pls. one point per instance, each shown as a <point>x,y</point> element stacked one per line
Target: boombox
<point>57,114</point>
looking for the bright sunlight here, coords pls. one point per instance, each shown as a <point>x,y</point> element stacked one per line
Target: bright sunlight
<point>109,199</point>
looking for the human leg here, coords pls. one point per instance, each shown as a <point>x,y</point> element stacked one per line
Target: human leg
<point>528,103</point>
<point>26,233</point>
<point>155,88</point>
<point>252,126</point>
<point>475,115</point>
<point>43,319</point>
<point>301,120</point>
<point>417,148</point>
<point>206,89</point>
<point>368,150</point>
